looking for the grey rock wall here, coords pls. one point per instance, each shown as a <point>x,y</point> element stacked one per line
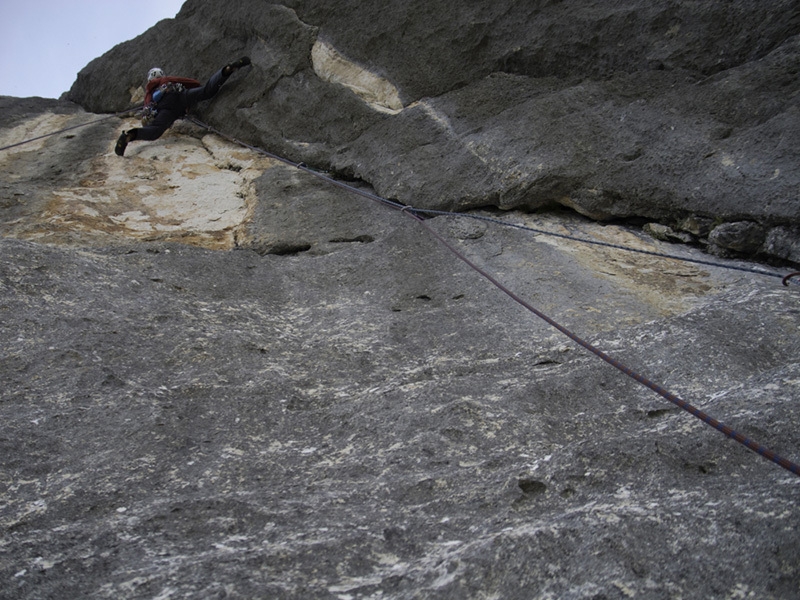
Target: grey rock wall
<point>657,110</point>
<point>224,378</point>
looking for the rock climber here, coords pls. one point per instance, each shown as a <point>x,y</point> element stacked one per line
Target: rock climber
<point>168,98</point>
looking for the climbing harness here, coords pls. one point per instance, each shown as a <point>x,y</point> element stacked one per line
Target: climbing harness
<point>95,122</point>
<point>415,214</point>
<point>150,110</point>
<point>149,113</point>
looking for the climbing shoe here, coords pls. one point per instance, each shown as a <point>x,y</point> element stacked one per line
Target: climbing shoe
<point>124,139</point>
<point>237,64</point>
<point>122,143</point>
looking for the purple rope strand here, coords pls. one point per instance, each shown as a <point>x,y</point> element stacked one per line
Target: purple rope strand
<point>660,390</point>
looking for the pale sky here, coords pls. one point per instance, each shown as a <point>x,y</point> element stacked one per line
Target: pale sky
<point>44,43</point>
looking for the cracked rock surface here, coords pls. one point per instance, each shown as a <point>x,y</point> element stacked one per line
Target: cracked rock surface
<point>664,111</point>
<point>224,378</point>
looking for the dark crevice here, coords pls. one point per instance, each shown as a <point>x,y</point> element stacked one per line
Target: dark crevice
<point>287,249</point>
<point>360,239</point>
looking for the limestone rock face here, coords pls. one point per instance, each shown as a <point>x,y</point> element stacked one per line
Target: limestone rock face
<point>226,376</point>
<point>741,236</point>
<point>663,110</point>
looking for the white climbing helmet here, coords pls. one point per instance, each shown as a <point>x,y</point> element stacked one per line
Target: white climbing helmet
<point>154,73</point>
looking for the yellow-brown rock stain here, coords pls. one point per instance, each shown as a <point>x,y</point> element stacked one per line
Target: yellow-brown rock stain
<point>668,285</point>
<point>188,186</point>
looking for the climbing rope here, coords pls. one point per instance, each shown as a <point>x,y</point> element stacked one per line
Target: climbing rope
<point>415,213</point>
<point>564,236</point>
<point>60,131</point>
<point>302,166</point>
<point>658,389</point>
<point>788,278</point>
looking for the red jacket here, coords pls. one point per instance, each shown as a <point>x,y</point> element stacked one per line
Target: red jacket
<point>156,83</point>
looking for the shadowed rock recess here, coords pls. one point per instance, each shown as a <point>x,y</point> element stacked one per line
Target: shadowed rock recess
<point>224,378</point>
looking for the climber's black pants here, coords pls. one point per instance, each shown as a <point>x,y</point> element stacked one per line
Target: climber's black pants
<point>175,104</point>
